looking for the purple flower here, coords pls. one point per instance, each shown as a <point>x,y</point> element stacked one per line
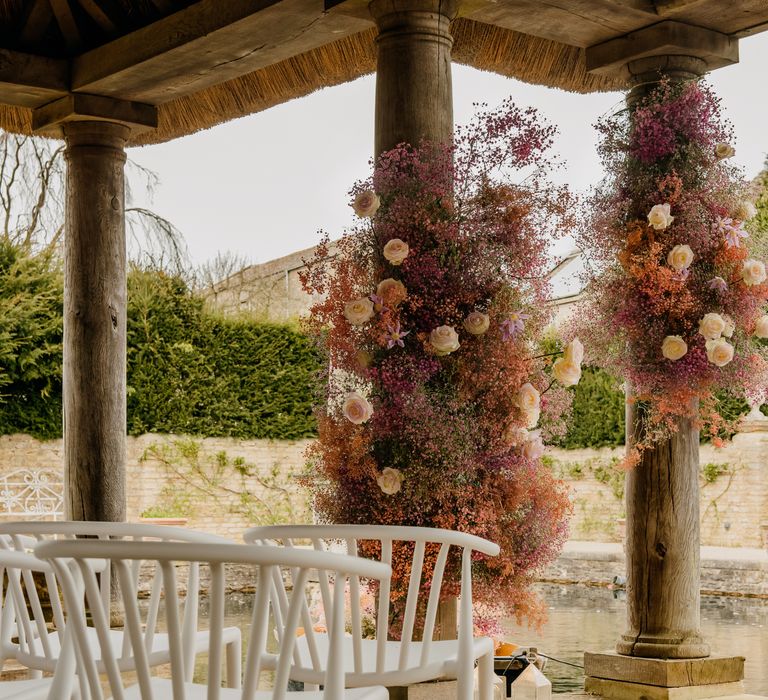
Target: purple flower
<point>395,336</point>
<point>513,324</point>
<point>681,275</point>
<point>378,303</point>
<point>732,231</point>
<point>718,284</point>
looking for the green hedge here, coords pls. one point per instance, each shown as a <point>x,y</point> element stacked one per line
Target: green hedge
<point>189,372</point>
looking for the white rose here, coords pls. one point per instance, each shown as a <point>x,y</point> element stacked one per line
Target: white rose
<point>357,409</point>
<point>673,347</point>
<point>532,417</point>
<point>730,326</point>
<point>761,327</point>
<point>680,257</point>
<point>395,251</point>
<point>390,480</point>
<point>528,400</point>
<point>444,340</point>
<point>359,311</point>
<point>574,351</point>
<point>753,272</point>
<point>744,211</point>
<point>566,372</point>
<point>712,326</point>
<point>719,352</point>
<point>477,323</point>
<point>533,447</point>
<point>724,150</point>
<point>659,217</point>
<point>366,204</point>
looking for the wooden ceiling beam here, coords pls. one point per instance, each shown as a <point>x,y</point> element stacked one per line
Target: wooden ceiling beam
<point>67,24</point>
<point>30,81</point>
<point>36,21</point>
<point>205,44</point>
<point>98,15</point>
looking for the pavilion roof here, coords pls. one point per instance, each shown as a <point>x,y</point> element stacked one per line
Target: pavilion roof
<point>186,66</point>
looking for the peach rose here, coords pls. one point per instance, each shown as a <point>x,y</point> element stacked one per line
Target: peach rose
<point>528,400</point>
<point>477,323</point>
<point>390,480</point>
<point>712,326</point>
<point>753,272</point>
<point>674,347</point>
<point>761,327</point>
<point>574,351</point>
<point>444,340</point>
<point>566,372</point>
<point>366,204</point>
<point>395,251</point>
<point>724,150</point>
<point>680,257</point>
<point>392,291</point>
<point>659,217</point>
<point>358,311</point>
<point>356,409</point>
<point>533,447</point>
<point>719,352</point>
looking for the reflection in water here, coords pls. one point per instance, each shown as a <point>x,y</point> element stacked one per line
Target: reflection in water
<point>586,618</point>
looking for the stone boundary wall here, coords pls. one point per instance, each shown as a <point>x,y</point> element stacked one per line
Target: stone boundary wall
<point>204,478</point>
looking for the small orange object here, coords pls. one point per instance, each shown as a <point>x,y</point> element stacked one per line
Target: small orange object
<point>506,649</point>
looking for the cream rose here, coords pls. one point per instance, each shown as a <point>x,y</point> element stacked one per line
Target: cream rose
<point>444,340</point>
<point>390,480</point>
<point>356,409</point>
<point>761,327</point>
<point>533,447</point>
<point>366,204</point>
<point>674,347</point>
<point>392,291</point>
<point>730,326</point>
<point>712,326</point>
<point>753,272</point>
<point>719,352</point>
<point>528,400</point>
<point>566,372</point>
<point>395,251</point>
<point>724,150</point>
<point>574,351</point>
<point>659,217</point>
<point>358,311</point>
<point>477,323</point>
<point>744,211</point>
<point>532,417</point>
<point>680,257</point>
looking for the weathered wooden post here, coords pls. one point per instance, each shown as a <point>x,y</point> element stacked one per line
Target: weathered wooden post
<point>414,102</point>
<point>662,648</point>
<point>95,130</point>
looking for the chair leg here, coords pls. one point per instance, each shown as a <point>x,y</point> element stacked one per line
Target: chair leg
<point>233,656</point>
<point>485,677</point>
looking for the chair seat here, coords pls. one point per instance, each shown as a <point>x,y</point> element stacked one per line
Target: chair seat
<point>26,689</point>
<point>163,688</point>
<point>160,649</point>
<point>440,664</point>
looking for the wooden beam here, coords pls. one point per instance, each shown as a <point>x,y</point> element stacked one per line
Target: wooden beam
<point>39,16</point>
<point>669,7</point>
<point>66,22</point>
<point>205,44</point>
<point>31,81</point>
<point>662,39</point>
<point>98,15</point>
<point>48,120</point>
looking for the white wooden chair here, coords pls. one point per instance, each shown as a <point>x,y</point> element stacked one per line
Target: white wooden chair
<point>74,564</point>
<point>406,661</point>
<point>38,647</point>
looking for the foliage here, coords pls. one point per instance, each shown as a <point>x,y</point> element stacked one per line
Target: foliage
<point>675,295</point>
<point>431,313</point>
<point>597,414</point>
<point>31,298</point>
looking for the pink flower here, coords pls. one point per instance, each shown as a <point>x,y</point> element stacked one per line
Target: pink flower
<point>395,336</point>
<point>718,284</point>
<point>513,324</point>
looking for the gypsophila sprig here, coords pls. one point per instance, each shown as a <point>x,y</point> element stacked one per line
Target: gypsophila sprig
<point>431,310</point>
<point>674,295</point>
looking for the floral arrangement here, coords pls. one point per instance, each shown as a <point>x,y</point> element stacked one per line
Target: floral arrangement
<point>677,286</point>
<point>434,407</point>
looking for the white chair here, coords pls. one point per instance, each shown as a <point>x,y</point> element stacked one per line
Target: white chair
<point>11,565</point>
<point>74,564</point>
<point>406,661</point>
<point>39,648</point>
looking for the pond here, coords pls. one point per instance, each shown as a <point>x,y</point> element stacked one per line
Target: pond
<point>583,618</point>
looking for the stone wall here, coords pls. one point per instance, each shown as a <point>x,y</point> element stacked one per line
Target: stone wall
<point>204,479</point>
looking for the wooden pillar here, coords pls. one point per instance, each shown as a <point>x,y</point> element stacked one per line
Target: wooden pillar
<point>662,492</point>
<point>413,71</point>
<point>95,321</point>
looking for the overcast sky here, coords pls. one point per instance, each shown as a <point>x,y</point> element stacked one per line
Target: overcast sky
<point>263,186</point>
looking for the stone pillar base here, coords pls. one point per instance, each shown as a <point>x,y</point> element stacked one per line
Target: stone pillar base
<point>612,675</point>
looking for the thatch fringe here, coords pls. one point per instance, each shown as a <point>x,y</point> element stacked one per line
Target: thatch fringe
<point>476,44</point>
